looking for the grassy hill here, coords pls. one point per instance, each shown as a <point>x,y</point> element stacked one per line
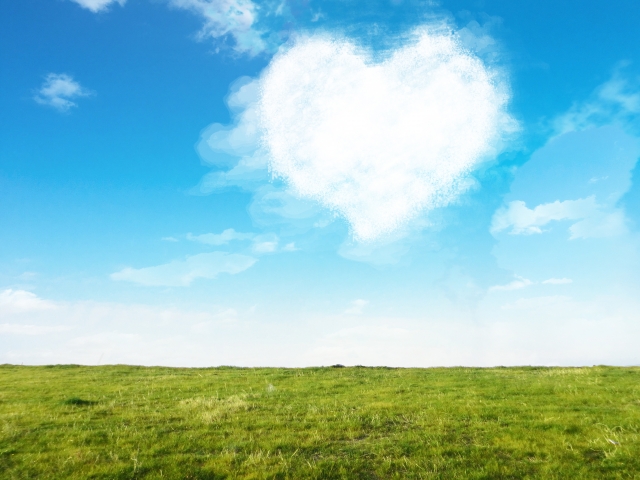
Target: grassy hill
<point>121,422</point>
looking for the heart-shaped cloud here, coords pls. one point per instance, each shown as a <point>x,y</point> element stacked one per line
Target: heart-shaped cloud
<point>380,142</point>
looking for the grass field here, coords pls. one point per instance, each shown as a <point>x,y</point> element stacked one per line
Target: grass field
<point>121,422</point>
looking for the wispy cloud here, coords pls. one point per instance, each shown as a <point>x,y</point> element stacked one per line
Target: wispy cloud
<point>525,221</point>
<point>228,18</point>
<point>615,101</point>
<point>371,331</point>
<point>520,283</point>
<point>517,284</point>
<point>290,247</point>
<point>267,243</point>
<point>19,329</point>
<point>357,307</point>
<point>181,273</point>
<point>223,238</point>
<point>235,150</point>
<point>260,243</point>
<point>595,220</point>
<point>59,90</point>
<point>557,281</point>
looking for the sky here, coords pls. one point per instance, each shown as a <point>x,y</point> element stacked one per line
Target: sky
<point>297,183</point>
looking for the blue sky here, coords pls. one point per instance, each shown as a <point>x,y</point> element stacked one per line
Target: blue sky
<point>199,182</point>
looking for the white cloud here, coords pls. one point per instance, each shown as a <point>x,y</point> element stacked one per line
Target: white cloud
<point>180,273</point>
<point>595,220</point>
<point>169,239</point>
<point>515,285</point>
<point>380,142</point>
<point>558,281</point>
<point>394,159</point>
<point>98,5</point>
<point>615,101</point>
<point>357,307</point>
<point>222,18</point>
<point>59,90</point>
<point>223,238</point>
<point>18,301</point>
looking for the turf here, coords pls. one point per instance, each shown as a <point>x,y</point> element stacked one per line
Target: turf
<point>122,422</point>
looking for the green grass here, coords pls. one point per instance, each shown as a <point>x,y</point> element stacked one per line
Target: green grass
<point>121,422</point>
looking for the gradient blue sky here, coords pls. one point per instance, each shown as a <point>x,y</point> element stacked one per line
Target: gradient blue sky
<point>143,220</point>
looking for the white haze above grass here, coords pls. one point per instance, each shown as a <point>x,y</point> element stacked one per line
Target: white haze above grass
<point>378,143</point>
<point>551,329</point>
